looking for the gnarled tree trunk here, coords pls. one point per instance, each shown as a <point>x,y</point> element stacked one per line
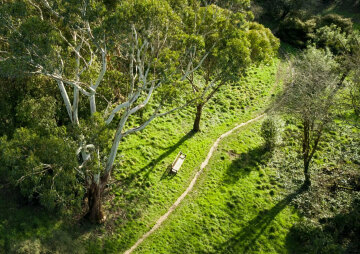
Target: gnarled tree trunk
<point>94,195</point>
<point>95,213</point>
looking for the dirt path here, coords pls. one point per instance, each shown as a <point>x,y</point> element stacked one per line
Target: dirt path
<point>189,188</point>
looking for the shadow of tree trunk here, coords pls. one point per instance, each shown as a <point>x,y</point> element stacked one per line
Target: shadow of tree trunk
<point>152,164</point>
<point>247,237</point>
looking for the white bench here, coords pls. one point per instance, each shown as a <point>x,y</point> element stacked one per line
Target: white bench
<point>176,165</point>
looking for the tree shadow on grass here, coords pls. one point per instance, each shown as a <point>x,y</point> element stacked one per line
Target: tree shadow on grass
<point>134,188</point>
<point>247,237</point>
<point>146,170</point>
<point>168,174</point>
<point>337,234</point>
<point>33,230</point>
<point>29,228</point>
<point>245,163</point>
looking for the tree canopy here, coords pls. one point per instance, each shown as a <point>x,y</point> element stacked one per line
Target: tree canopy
<point>113,62</point>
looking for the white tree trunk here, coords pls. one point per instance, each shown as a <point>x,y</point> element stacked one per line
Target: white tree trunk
<point>115,145</point>
<point>66,99</point>
<point>92,104</point>
<point>76,106</point>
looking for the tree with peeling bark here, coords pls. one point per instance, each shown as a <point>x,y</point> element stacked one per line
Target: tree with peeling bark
<point>75,44</point>
<point>310,97</point>
<point>234,44</point>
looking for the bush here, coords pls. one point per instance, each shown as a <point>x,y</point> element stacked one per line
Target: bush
<point>42,167</point>
<point>345,24</point>
<point>332,38</point>
<point>327,31</point>
<point>338,234</point>
<point>296,31</point>
<point>270,130</point>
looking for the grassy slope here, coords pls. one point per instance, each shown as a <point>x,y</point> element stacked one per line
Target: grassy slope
<point>148,190</point>
<point>244,202</point>
<point>143,191</point>
<point>235,208</point>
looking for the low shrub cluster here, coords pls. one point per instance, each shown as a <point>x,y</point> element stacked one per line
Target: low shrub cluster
<point>325,31</point>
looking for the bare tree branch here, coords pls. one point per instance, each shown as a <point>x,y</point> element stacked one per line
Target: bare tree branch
<point>117,109</point>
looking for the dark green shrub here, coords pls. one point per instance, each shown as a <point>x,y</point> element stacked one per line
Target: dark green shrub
<point>328,31</point>
<point>331,37</point>
<point>42,167</point>
<point>345,24</point>
<point>338,234</point>
<point>40,159</point>
<point>297,32</point>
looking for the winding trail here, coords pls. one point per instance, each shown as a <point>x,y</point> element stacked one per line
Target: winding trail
<point>190,187</point>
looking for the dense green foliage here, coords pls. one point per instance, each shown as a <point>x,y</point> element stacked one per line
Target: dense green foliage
<point>270,132</point>
<point>329,31</point>
<point>158,47</point>
<point>98,97</point>
<point>281,9</point>
<point>43,167</point>
<point>146,189</point>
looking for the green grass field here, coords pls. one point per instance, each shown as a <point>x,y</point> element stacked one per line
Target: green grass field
<point>141,189</point>
<point>236,207</point>
<point>246,200</point>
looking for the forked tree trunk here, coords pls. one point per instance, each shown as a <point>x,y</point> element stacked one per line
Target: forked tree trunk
<point>199,109</point>
<point>94,195</point>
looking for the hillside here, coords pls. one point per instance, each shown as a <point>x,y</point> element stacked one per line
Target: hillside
<point>97,99</point>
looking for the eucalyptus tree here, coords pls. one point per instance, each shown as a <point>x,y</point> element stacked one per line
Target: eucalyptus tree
<point>76,44</point>
<point>233,44</point>
<point>310,98</point>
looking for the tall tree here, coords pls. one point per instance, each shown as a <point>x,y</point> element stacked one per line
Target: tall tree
<point>310,98</point>
<point>233,44</point>
<point>75,43</point>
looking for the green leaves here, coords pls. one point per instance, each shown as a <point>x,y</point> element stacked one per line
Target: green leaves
<point>332,38</point>
<point>42,166</point>
<point>43,110</point>
<point>312,86</point>
<point>146,15</point>
<point>234,43</point>
<point>264,44</point>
